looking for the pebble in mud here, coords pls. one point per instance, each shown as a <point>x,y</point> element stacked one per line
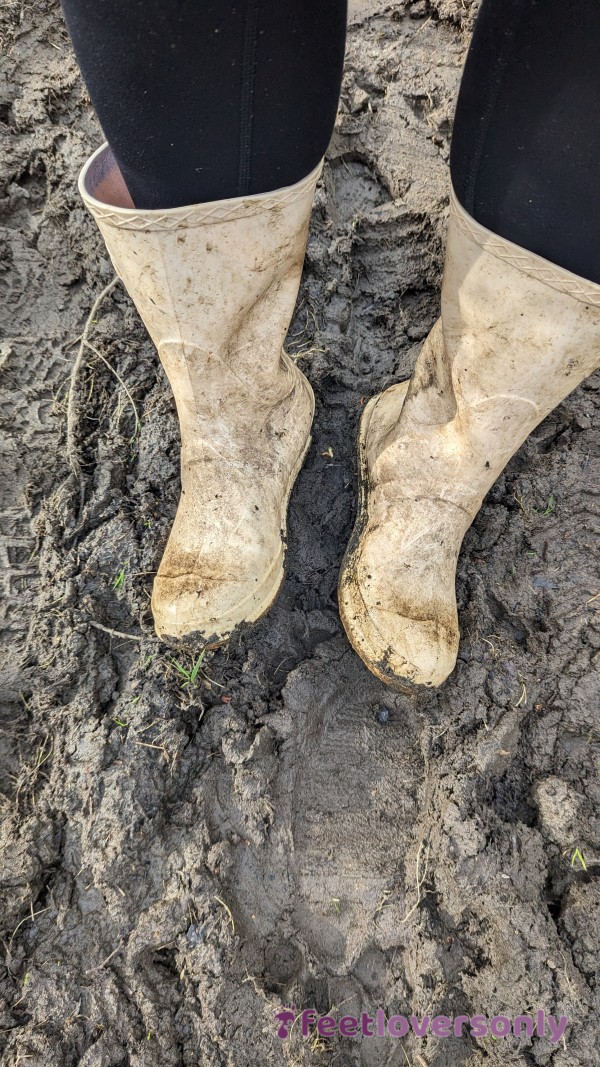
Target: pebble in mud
<point>195,935</point>
<point>382,715</point>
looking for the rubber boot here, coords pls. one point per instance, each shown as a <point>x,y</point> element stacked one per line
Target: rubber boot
<point>216,285</point>
<point>516,335</point>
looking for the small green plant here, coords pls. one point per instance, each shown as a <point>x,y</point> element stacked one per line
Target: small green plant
<point>120,722</point>
<point>119,578</point>
<point>190,676</point>
<point>578,857</point>
<point>550,506</point>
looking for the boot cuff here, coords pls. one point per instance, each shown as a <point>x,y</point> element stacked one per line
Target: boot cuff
<point>102,161</point>
<point>527,262</point>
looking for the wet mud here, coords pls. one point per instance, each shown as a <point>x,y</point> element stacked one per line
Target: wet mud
<point>183,858</point>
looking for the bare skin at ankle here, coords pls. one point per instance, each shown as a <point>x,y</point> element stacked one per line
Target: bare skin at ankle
<point>112,190</point>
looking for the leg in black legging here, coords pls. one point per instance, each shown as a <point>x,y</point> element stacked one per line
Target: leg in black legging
<point>525,158</point>
<point>210,99</point>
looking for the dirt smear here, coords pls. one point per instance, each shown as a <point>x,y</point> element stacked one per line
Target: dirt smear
<point>182,860</point>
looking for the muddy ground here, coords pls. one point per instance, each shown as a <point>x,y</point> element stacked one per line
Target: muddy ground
<point>181,861</point>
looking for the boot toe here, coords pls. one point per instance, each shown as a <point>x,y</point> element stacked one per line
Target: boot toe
<point>211,589</point>
<point>399,648</point>
<point>401,619</point>
<point>189,603</point>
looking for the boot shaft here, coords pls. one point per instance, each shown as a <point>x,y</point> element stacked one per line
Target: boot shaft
<point>514,325</point>
<point>517,334</point>
<point>218,280</point>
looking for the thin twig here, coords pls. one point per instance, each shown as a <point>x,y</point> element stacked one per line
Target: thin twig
<point>28,918</point>
<point>120,381</point>
<point>92,970</point>
<point>420,880</point>
<point>229,914</point>
<point>72,456</point>
<point>113,633</point>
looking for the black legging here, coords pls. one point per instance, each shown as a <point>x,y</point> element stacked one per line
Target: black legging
<point>210,99</point>
<point>525,158</point>
<point>207,99</point>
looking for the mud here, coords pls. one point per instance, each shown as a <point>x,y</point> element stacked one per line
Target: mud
<point>182,860</point>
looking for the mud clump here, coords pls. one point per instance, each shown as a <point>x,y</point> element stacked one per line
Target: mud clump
<point>183,859</point>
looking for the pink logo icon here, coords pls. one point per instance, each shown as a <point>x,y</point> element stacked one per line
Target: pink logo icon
<point>286,1018</point>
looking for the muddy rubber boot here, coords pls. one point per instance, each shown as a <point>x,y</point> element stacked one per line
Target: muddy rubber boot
<point>516,335</point>
<point>216,285</point>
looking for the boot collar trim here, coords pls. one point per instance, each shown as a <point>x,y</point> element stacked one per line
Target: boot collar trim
<point>527,262</point>
<point>194,214</point>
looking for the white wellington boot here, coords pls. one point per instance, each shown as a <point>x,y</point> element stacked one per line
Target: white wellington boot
<point>215,285</point>
<point>516,335</point>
